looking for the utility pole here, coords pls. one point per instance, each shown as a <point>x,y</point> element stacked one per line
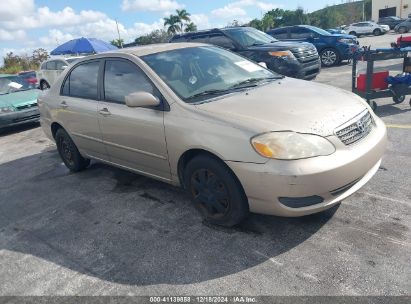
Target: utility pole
<point>363,10</point>
<point>119,38</point>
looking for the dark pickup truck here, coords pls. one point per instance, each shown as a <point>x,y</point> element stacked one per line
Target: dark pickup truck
<point>292,59</point>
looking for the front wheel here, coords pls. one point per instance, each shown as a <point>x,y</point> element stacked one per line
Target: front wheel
<point>69,152</point>
<point>215,191</point>
<point>398,99</point>
<point>352,33</point>
<point>329,57</point>
<point>377,32</point>
<point>402,30</point>
<point>44,85</point>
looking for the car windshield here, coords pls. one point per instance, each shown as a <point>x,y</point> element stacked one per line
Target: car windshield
<point>248,36</point>
<point>11,84</point>
<point>318,30</point>
<point>196,74</point>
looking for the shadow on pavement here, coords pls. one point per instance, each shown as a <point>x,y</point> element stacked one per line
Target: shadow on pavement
<point>125,228</point>
<point>19,128</point>
<point>391,109</point>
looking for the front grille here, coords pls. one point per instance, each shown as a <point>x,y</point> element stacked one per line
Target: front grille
<point>19,108</point>
<point>305,53</point>
<point>357,130</point>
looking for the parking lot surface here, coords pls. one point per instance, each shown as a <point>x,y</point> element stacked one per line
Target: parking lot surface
<point>105,231</point>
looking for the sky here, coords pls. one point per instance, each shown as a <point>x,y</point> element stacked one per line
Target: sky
<point>29,24</point>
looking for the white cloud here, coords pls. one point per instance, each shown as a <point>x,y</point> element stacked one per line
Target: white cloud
<point>153,5</point>
<point>12,35</point>
<point>43,17</point>
<point>16,8</point>
<point>201,20</point>
<point>54,38</point>
<point>236,9</point>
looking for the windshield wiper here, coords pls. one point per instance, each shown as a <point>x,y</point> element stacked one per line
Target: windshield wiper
<point>210,92</point>
<point>252,82</point>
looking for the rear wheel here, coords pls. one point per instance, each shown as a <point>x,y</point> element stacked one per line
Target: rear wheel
<point>329,57</point>
<point>402,30</point>
<point>215,191</point>
<point>69,152</point>
<point>399,99</point>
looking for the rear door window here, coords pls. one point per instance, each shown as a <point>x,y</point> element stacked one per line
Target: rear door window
<point>51,65</point>
<point>280,33</point>
<point>222,41</point>
<point>82,81</point>
<point>300,33</point>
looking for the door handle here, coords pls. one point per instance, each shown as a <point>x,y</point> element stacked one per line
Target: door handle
<point>104,112</point>
<point>64,104</point>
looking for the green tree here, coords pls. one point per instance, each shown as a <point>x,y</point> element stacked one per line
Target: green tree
<point>117,42</point>
<point>184,18</point>
<point>173,24</point>
<point>190,27</point>
<point>156,36</point>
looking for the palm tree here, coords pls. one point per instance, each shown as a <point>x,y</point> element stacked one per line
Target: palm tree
<point>190,27</point>
<point>183,16</point>
<point>173,23</point>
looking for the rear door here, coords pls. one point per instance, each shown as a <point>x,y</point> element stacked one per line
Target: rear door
<point>134,137</point>
<point>78,108</point>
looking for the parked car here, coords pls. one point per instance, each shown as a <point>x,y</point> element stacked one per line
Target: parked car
<point>403,27</point>
<point>29,76</point>
<point>237,136</point>
<point>51,69</point>
<point>391,21</point>
<point>298,60</point>
<point>367,28</point>
<point>18,101</point>
<point>336,31</point>
<point>333,48</point>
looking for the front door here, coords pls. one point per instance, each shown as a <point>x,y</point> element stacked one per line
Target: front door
<point>134,137</point>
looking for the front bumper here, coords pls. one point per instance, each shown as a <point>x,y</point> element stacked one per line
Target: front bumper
<point>332,178</point>
<point>295,68</point>
<point>19,117</point>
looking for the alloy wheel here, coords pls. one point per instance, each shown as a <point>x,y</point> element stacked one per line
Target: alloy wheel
<point>328,58</point>
<point>66,152</point>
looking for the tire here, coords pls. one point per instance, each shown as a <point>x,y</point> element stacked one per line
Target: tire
<point>352,33</point>
<point>215,191</point>
<point>398,99</point>
<point>402,30</point>
<point>69,152</point>
<point>329,57</point>
<point>377,32</point>
<point>44,85</point>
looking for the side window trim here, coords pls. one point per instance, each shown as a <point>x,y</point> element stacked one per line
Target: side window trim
<point>67,77</point>
<point>164,106</point>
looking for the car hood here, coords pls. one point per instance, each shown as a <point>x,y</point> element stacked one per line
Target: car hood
<point>18,99</point>
<point>280,45</point>
<point>288,105</point>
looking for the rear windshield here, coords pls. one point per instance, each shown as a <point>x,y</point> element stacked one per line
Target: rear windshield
<point>13,84</point>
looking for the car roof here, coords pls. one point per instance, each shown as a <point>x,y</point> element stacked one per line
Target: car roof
<point>149,49</point>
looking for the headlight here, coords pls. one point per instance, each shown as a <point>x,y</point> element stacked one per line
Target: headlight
<point>345,40</point>
<point>291,145</point>
<point>6,109</point>
<point>282,54</point>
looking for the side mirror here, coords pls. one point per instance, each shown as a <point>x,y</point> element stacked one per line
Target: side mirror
<point>141,99</point>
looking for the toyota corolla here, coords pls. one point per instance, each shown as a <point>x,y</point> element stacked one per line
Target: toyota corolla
<point>237,136</point>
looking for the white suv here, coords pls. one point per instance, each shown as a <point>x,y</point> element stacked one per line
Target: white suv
<point>51,69</point>
<point>366,28</point>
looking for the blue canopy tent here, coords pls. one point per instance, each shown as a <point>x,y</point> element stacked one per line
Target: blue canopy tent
<point>83,46</point>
